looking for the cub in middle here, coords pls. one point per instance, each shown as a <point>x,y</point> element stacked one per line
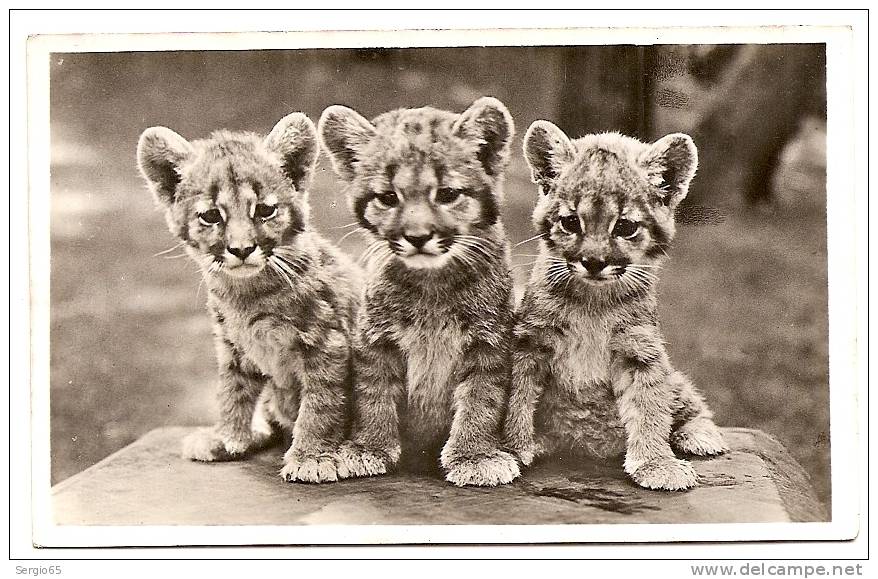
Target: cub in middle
<point>432,348</point>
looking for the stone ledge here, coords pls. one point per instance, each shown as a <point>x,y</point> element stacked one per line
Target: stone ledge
<point>148,483</point>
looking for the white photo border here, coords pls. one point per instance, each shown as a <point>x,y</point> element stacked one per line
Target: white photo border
<point>846,191</point>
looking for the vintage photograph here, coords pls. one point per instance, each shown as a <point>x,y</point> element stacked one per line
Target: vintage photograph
<point>525,284</point>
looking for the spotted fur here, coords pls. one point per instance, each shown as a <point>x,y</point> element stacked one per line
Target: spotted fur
<point>590,372</point>
<point>433,342</point>
<point>283,300</point>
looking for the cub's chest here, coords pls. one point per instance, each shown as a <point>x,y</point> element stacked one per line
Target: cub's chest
<point>581,356</point>
<point>432,349</point>
<point>263,337</point>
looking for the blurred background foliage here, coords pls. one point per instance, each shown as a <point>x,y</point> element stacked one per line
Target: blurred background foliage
<point>743,301</point>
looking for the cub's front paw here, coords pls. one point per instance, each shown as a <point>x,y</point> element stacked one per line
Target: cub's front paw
<point>206,445</point>
<point>487,470</point>
<point>355,460</point>
<point>524,450</point>
<point>238,445</point>
<point>526,455</point>
<point>700,437</point>
<point>311,468</point>
<point>670,474</point>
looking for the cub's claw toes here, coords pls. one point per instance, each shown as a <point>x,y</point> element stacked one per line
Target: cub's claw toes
<point>701,437</point>
<point>311,469</point>
<point>670,474</point>
<point>204,445</point>
<point>526,455</point>
<point>489,470</point>
<point>236,447</point>
<point>355,461</point>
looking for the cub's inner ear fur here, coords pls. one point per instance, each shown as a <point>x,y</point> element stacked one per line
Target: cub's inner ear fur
<point>294,138</point>
<point>487,122</point>
<point>547,149</point>
<point>160,151</point>
<point>670,164</point>
<point>344,132</point>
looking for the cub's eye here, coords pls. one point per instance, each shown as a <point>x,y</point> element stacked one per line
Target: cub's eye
<point>570,223</point>
<point>626,229</point>
<point>447,195</point>
<point>210,217</point>
<point>388,198</point>
<point>265,212</point>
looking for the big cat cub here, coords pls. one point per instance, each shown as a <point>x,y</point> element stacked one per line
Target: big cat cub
<point>591,375</point>
<point>432,347</point>
<point>282,298</point>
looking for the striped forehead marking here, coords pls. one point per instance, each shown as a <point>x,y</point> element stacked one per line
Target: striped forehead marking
<point>415,179</point>
<point>237,198</point>
<point>596,210</point>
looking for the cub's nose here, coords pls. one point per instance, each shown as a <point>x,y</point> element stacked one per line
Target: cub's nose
<point>418,241</point>
<point>594,266</point>
<point>242,252</point>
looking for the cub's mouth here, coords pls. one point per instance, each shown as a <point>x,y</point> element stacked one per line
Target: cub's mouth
<point>239,263</point>
<point>597,273</point>
<point>243,269</point>
<point>422,252</point>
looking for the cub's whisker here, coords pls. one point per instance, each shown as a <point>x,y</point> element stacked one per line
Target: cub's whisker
<point>478,253</point>
<point>379,258</point>
<point>294,266</point>
<point>170,249</point>
<point>475,256</point>
<point>275,264</point>
<point>529,240</point>
<point>646,276</point>
<point>474,238</point>
<point>475,243</point>
<point>359,230</point>
<point>370,249</point>
<point>198,290</point>
<point>556,274</point>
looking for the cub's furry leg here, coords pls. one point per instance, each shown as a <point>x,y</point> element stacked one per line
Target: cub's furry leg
<point>320,424</point>
<point>530,372</point>
<point>694,430</point>
<point>472,455</point>
<point>262,425</point>
<point>240,386</point>
<point>646,407</point>
<point>374,447</point>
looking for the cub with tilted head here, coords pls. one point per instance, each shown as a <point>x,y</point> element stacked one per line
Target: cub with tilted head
<point>591,376</point>
<point>283,299</point>
<point>433,338</point>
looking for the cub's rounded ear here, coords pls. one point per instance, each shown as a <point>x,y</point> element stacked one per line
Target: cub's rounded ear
<point>294,138</point>
<point>488,123</point>
<point>160,152</point>
<point>670,164</point>
<point>547,149</point>
<point>344,133</point>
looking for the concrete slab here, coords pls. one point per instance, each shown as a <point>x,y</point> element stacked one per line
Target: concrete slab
<point>148,483</point>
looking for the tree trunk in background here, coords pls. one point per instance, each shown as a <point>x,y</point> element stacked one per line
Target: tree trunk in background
<point>758,96</point>
<point>606,88</point>
<point>755,108</point>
